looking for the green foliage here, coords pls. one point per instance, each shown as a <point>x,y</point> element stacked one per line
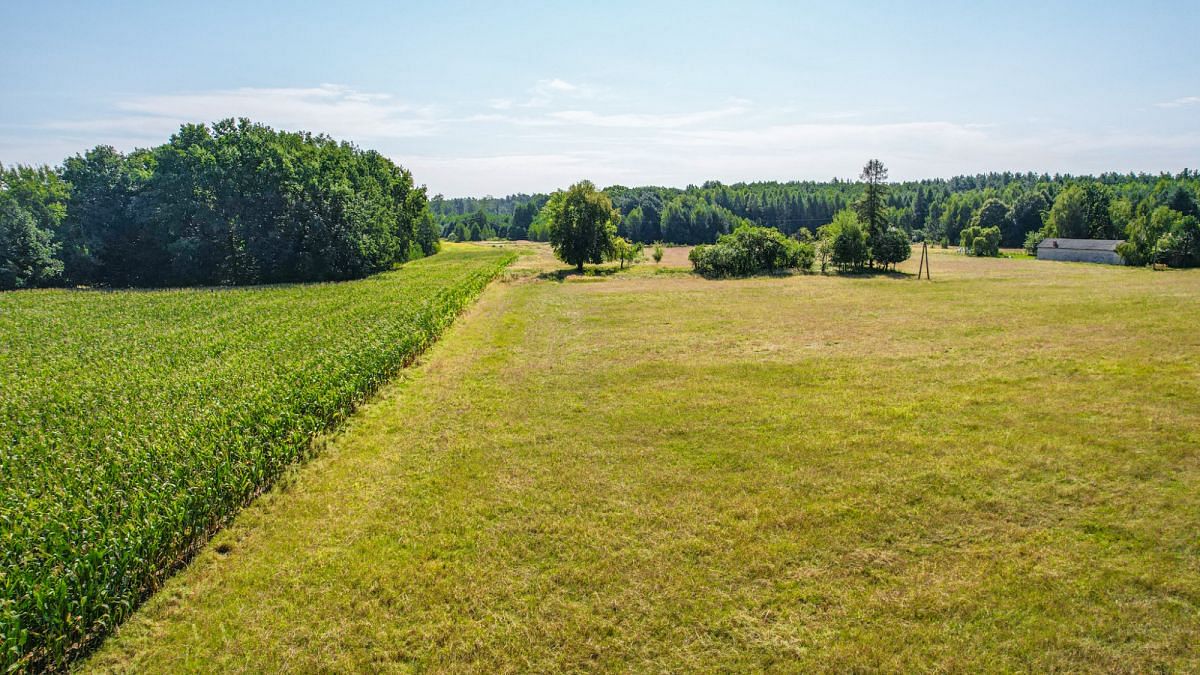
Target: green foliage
<point>891,248</point>
<point>234,203</point>
<point>626,252</point>
<point>1028,217</point>
<point>583,223</point>
<point>940,209</point>
<point>995,213</point>
<point>1164,236</point>
<point>658,252</point>
<point>1068,215</point>
<point>751,250</point>
<point>981,241</point>
<point>1032,240</point>
<point>134,423</point>
<point>871,206</point>
<point>1083,211</point>
<point>844,242</point>
<point>27,253</point>
<point>509,217</point>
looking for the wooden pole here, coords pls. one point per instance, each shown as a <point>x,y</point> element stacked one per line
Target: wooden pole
<point>924,266</point>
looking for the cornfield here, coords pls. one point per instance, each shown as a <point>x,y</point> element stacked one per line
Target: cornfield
<point>133,423</point>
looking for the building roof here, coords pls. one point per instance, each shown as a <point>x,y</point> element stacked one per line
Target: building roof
<point>1081,244</point>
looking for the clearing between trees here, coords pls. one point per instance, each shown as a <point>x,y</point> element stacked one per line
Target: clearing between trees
<point>994,470</point>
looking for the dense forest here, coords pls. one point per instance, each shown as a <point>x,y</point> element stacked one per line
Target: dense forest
<point>1155,213</point>
<point>234,203</point>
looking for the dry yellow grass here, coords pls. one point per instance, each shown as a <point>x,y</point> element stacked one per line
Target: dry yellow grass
<point>994,470</point>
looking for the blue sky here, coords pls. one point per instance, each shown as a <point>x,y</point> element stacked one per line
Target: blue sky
<point>494,98</point>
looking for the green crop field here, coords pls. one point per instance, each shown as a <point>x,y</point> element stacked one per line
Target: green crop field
<point>132,423</point>
<point>994,470</point>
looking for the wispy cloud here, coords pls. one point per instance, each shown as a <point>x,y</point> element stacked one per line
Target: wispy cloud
<point>1179,102</point>
<point>543,93</point>
<point>645,120</point>
<point>555,131</point>
<point>336,110</point>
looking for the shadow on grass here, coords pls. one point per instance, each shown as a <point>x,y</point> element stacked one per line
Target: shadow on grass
<point>871,273</point>
<point>571,272</point>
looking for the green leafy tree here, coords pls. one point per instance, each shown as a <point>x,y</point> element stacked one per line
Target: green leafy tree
<point>427,235</point>
<point>981,241</point>
<point>893,247</point>
<point>27,252</point>
<point>751,249</point>
<point>995,213</point>
<point>626,252</point>
<point>1164,236</point>
<point>1028,215</point>
<point>872,206</point>
<point>583,223</point>
<point>1068,216</point>
<point>522,218</point>
<point>848,239</point>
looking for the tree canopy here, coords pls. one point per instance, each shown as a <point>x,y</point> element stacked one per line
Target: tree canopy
<point>230,203</point>
<point>583,224</point>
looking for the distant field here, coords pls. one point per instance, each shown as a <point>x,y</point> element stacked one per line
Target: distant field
<point>134,422</point>
<point>992,471</point>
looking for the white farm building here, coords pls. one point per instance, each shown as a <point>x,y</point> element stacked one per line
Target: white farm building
<point>1081,250</point>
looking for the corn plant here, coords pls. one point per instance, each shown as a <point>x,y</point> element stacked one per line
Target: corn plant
<point>134,423</point>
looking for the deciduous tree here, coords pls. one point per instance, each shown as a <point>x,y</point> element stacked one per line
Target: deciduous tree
<point>583,223</point>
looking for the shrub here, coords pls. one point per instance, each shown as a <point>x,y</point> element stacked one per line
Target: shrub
<point>1164,236</point>
<point>980,241</point>
<point>892,247</point>
<point>850,247</point>
<point>1032,240</point>
<point>658,252</point>
<point>751,250</point>
<point>626,251</point>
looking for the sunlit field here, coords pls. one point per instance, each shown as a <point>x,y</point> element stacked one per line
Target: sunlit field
<point>993,470</point>
<point>133,423</point>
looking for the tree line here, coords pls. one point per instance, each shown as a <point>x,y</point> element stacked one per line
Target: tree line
<point>999,209</point>
<point>231,203</point>
<point>584,227</point>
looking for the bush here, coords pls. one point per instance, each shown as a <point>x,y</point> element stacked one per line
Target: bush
<point>1163,236</point>
<point>850,249</point>
<point>658,253</point>
<point>892,247</point>
<point>751,250</point>
<point>625,251</point>
<point>1032,240</point>
<point>981,241</point>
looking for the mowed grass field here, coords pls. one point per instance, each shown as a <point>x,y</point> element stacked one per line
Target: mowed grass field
<point>996,470</point>
<point>132,423</point>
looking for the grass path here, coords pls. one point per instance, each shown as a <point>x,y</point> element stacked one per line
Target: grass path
<point>993,471</point>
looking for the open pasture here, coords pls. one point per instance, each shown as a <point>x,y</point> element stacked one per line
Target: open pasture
<point>991,471</point>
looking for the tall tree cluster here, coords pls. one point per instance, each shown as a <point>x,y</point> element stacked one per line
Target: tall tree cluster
<point>231,203</point>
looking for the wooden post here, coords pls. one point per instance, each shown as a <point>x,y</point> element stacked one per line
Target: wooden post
<point>924,266</point>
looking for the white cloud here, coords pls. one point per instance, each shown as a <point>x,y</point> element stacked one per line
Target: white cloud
<point>645,120</point>
<point>545,92</point>
<point>336,110</point>
<point>1179,102</point>
<point>566,131</point>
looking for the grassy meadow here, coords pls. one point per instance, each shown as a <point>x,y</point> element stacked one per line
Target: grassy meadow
<point>133,423</point>
<point>994,470</point>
